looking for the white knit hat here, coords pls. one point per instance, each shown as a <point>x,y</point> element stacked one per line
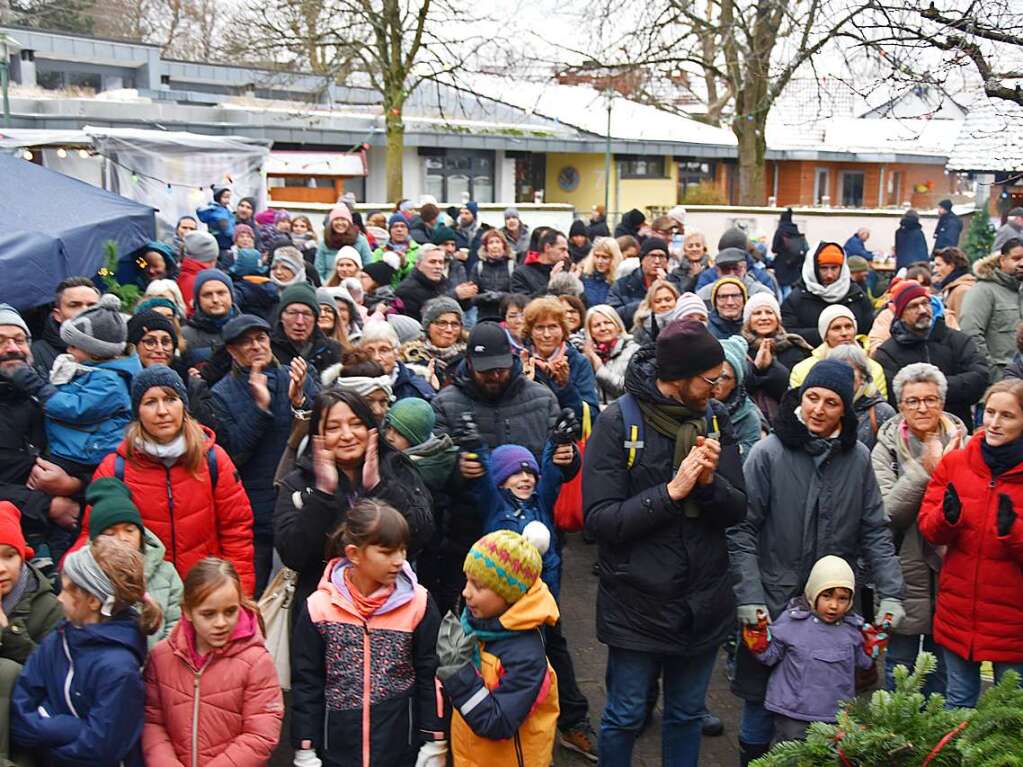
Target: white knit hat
<point>758,300</point>
<point>832,313</point>
<point>100,331</point>
<point>829,572</point>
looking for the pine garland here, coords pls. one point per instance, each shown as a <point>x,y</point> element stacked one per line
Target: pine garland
<point>129,294</point>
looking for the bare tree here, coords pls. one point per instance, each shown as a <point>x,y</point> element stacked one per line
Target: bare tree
<point>983,40</point>
<point>738,56</point>
<point>393,46</point>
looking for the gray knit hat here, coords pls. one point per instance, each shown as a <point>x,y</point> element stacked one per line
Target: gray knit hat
<point>202,247</point>
<point>407,328</point>
<point>435,307</point>
<point>100,331</point>
<point>9,316</point>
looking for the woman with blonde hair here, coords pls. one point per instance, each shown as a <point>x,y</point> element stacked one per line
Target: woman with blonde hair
<point>658,306</point>
<point>598,269</point>
<point>609,349</point>
<point>167,289</point>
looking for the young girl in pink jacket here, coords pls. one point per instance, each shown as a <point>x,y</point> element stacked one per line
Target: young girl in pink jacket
<point>212,695</point>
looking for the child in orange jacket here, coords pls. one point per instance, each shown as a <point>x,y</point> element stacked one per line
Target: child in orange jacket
<point>212,695</point>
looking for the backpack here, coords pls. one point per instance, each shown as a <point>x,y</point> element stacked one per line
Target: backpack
<point>632,418</point>
<point>211,462</point>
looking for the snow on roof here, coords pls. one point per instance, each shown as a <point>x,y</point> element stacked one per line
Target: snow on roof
<point>865,135</point>
<point>585,108</point>
<point>990,139</point>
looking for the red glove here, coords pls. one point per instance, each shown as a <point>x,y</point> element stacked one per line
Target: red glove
<point>874,640</point>
<point>757,637</point>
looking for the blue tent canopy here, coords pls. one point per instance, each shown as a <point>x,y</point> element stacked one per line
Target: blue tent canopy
<point>56,227</point>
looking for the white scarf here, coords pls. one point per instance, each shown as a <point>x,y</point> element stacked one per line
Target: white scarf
<point>169,451</point>
<point>830,293</point>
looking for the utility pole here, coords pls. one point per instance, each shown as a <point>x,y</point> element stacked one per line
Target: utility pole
<point>609,92</point>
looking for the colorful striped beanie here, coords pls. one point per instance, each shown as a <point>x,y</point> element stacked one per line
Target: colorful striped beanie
<point>504,562</point>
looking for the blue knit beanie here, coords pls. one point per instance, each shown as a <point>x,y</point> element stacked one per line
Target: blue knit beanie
<point>211,274</point>
<point>832,375</point>
<point>156,375</point>
<point>511,459</point>
<point>396,218</point>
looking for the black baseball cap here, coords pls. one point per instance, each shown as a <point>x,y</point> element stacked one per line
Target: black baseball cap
<point>241,325</point>
<point>489,347</point>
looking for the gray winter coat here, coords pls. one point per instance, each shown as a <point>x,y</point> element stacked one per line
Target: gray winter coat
<point>903,480</point>
<point>990,313</point>
<point>802,507</point>
<point>611,377</point>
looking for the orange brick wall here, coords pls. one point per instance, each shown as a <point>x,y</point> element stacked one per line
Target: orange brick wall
<point>796,182</point>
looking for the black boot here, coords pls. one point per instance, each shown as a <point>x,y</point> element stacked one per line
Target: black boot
<point>750,751</point>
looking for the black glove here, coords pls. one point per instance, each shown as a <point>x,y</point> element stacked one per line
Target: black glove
<point>1006,514</point>
<point>27,380</point>
<point>951,505</point>
<point>467,435</point>
<point>567,429</point>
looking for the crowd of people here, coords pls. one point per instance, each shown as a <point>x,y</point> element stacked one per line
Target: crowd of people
<point>775,453</point>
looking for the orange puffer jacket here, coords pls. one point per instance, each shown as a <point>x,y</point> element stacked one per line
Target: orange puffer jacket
<point>223,712</point>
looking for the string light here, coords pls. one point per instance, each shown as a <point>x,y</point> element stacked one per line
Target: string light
<point>83,153</point>
<point>62,153</point>
<point>27,155</point>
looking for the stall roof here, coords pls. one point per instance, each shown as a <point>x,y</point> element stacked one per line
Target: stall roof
<point>349,164</point>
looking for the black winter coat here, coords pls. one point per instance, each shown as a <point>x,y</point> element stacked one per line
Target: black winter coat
<point>910,243</point>
<point>494,280</point>
<point>304,517</point>
<point>953,352</point>
<point>22,440</point>
<point>531,278</point>
<point>948,231</point>
<point>664,578</point>
<point>800,311</point>
<point>415,290</point>
<point>46,348</point>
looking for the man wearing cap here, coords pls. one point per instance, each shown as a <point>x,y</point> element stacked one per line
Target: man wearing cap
<point>212,308</point>
<point>949,228</point>
<point>73,296</point>
<point>255,406</point>
<point>810,492</point>
<point>201,253</point>
<point>532,276</point>
<point>45,494</point>
<point>730,262</point>
<point>1011,229</point>
<point>628,293</point>
<point>662,482</point>
<point>918,336</point>
<point>727,300</point>
<point>467,226</point>
<point>993,307</point>
<point>297,333</point>
<point>825,282</point>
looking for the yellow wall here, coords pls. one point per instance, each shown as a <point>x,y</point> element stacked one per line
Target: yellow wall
<point>625,193</point>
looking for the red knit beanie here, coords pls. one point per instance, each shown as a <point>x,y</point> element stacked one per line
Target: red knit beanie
<point>10,530</point>
<point>909,291</point>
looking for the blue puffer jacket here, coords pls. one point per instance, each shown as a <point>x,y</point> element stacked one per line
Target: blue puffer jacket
<point>220,221</point>
<point>88,679</point>
<point>596,288</point>
<point>503,511</point>
<point>85,418</point>
<point>255,439</point>
<point>408,384</point>
<point>581,386</point>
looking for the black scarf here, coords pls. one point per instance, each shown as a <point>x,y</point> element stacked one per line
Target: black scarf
<point>952,277</point>
<point>1002,458</point>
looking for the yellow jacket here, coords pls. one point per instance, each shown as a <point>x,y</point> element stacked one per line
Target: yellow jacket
<point>506,712</point>
<point>801,369</point>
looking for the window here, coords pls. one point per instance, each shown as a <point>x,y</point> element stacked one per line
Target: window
<point>893,193</point>
<point>641,166</point>
<point>820,186</point>
<point>692,173</point>
<point>852,188</point>
<point>530,175</point>
<point>458,175</point>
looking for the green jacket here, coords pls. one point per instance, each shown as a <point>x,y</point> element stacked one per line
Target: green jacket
<point>32,618</point>
<point>410,261</point>
<point>990,313</point>
<point>164,586</point>
<point>435,459</point>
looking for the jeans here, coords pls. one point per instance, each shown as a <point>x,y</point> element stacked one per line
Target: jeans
<point>902,651</point>
<point>573,704</point>
<point>964,679</point>
<point>757,724</point>
<point>685,681</point>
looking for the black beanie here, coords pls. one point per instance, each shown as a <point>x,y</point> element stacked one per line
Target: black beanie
<point>650,244</point>
<point>380,272</point>
<point>145,322</point>
<point>834,376</point>
<point>686,348</point>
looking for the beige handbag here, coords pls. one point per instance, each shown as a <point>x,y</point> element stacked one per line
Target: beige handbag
<point>275,607</point>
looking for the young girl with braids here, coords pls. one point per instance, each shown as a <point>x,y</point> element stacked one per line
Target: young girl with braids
<point>80,697</point>
<point>212,695</point>
<point>363,653</point>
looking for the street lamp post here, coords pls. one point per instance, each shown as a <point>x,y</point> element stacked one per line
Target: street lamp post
<point>607,155</point>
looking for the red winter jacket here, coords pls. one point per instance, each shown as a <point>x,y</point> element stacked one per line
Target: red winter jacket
<point>190,269</point>
<point>185,514</point>
<point>226,713</point>
<point>979,614</point>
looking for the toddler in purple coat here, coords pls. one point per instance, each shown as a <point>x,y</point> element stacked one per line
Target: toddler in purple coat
<point>815,647</point>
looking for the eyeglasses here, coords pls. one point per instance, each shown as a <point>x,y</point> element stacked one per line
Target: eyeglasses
<point>730,296</point>
<point>715,380</point>
<point>151,343</point>
<point>656,256</point>
<point>447,324</point>
<point>294,314</point>
<point>914,403</point>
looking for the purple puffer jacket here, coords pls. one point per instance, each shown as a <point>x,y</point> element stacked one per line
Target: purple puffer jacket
<point>815,663</point>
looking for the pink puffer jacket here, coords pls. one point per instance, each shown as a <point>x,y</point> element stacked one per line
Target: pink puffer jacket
<point>224,712</point>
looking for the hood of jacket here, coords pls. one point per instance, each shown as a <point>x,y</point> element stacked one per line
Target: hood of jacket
<point>834,292</point>
<point>536,608</point>
<point>121,629</point>
<point>404,588</point>
<point>246,634</point>
<point>909,223</point>
<point>987,270</point>
<point>795,436</point>
<point>435,459</point>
